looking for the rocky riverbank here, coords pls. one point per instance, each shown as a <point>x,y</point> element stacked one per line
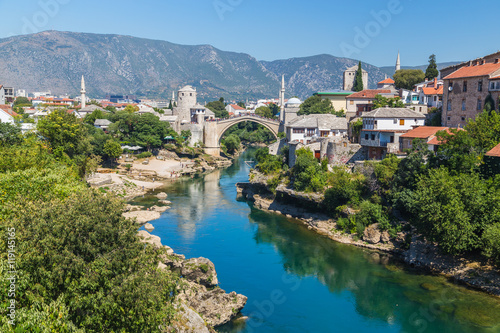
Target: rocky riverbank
<point>201,304</point>
<point>411,249</point>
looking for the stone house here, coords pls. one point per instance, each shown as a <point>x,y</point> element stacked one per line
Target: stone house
<point>466,87</point>
<point>383,127</point>
<point>426,133</point>
<point>305,129</point>
<point>7,115</point>
<point>362,101</point>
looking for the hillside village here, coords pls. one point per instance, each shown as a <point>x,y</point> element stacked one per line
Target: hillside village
<point>358,127</point>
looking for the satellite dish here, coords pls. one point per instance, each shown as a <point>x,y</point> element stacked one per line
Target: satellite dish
<point>450,88</point>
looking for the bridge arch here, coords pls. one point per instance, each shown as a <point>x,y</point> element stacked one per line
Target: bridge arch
<point>224,125</point>
<point>213,130</point>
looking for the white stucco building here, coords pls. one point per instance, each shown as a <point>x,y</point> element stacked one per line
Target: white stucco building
<point>383,127</point>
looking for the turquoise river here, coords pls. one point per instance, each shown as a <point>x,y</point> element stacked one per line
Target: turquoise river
<point>298,281</point>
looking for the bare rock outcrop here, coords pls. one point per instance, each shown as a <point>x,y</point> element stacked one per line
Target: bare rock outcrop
<point>215,305</point>
<point>142,216</point>
<point>162,196</point>
<point>201,271</point>
<point>187,321</point>
<point>372,234</point>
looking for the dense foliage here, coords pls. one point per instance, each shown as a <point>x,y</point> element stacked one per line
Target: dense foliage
<point>316,105</point>
<point>451,196</point>
<point>407,78</point>
<point>218,107</point>
<point>80,266</point>
<point>393,102</point>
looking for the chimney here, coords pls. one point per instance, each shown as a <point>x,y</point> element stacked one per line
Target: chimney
<point>497,61</point>
<point>481,62</point>
<point>435,83</point>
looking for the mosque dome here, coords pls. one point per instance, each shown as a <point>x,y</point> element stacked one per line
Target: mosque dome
<point>293,101</point>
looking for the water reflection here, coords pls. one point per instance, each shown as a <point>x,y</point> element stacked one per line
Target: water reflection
<point>381,288</point>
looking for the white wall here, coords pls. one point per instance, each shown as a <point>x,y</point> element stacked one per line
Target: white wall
<point>392,123</point>
<point>5,117</point>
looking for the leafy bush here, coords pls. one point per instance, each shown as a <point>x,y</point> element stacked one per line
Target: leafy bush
<point>346,188</point>
<point>145,154</point>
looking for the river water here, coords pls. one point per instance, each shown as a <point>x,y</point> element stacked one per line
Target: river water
<point>298,281</point>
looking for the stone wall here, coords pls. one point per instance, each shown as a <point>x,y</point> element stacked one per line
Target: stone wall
<point>275,148</point>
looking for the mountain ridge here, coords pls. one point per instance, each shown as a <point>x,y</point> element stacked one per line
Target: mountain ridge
<point>122,64</point>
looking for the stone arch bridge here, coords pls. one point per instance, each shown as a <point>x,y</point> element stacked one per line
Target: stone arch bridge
<point>213,130</point>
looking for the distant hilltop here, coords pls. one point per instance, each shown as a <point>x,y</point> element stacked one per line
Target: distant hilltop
<point>55,61</point>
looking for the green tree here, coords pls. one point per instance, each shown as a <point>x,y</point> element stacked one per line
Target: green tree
<point>264,111</point>
<point>242,104</point>
<point>112,149</point>
<point>275,109</point>
<point>232,143</point>
<point>393,102</point>
<point>432,72</point>
<point>66,135</point>
<point>316,105</point>
<point>358,79</point>
<point>22,101</point>
<point>218,107</point>
<point>10,134</point>
<point>489,103</point>
<point>407,78</point>
<point>91,117</point>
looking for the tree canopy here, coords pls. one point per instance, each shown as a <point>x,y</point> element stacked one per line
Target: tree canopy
<point>393,102</point>
<point>432,72</point>
<point>316,105</point>
<point>407,78</point>
<point>218,107</point>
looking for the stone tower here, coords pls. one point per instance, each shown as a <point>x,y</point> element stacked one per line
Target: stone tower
<point>186,99</point>
<point>350,76</point>
<point>398,63</point>
<point>83,93</point>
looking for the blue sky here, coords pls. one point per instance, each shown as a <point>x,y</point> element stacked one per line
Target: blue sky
<point>370,30</point>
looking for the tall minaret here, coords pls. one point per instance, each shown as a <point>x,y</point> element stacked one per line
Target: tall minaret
<point>398,63</point>
<point>282,98</point>
<point>83,92</point>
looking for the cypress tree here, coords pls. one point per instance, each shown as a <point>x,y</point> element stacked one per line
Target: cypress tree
<point>432,70</point>
<point>358,80</point>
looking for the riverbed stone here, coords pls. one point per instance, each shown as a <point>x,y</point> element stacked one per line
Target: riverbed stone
<point>142,216</point>
<point>162,195</point>
<point>146,237</point>
<point>215,306</point>
<point>372,234</point>
<point>385,237</point>
<point>200,270</point>
<point>165,202</point>
<point>187,320</point>
<point>159,209</point>
<point>149,227</point>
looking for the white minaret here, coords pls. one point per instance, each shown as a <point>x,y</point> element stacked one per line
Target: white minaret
<point>398,63</point>
<point>83,92</point>
<point>282,98</point>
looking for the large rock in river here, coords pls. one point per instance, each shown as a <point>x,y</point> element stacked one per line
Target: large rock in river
<point>200,270</point>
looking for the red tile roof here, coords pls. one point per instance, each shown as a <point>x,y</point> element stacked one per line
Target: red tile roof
<point>495,152</point>
<point>369,93</point>
<point>436,142</point>
<point>388,81</point>
<point>237,107</point>
<point>7,109</point>
<point>432,90</point>
<point>473,71</point>
<point>423,132</point>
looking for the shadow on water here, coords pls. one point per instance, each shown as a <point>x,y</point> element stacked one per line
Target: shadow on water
<point>383,289</point>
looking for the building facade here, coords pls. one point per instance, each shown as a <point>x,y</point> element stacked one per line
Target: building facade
<point>383,127</point>
<point>336,97</point>
<point>306,129</point>
<point>362,101</point>
<point>467,87</point>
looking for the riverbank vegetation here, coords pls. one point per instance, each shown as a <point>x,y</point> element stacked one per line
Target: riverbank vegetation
<point>451,197</point>
<point>79,265</point>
